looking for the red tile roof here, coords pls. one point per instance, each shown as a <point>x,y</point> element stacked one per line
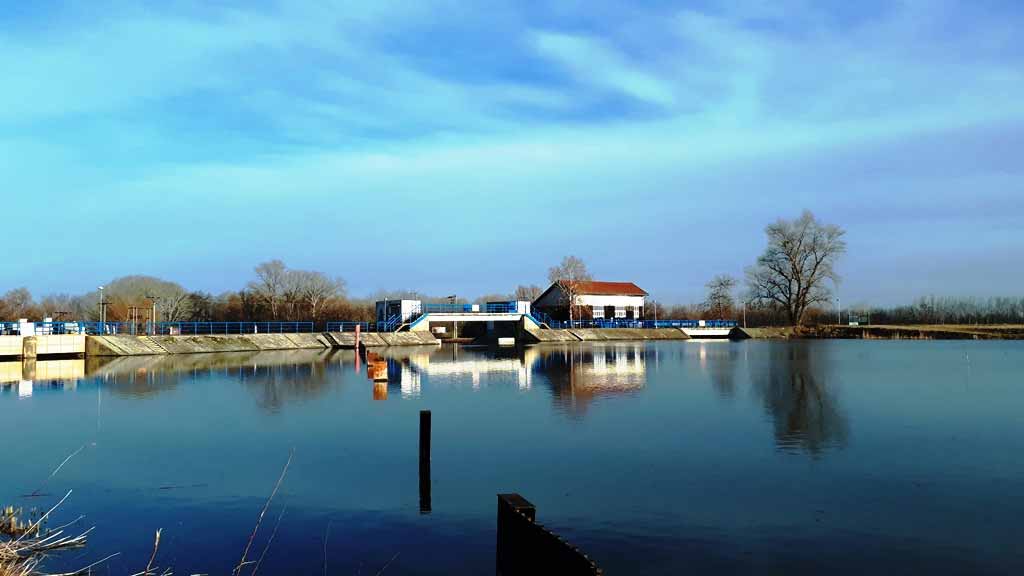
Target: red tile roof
<point>610,289</point>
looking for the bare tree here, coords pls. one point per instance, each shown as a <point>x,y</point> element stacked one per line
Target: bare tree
<point>567,276</point>
<point>122,293</point>
<point>315,288</point>
<point>529,293</point>
<point>18,303</point>
<point>720,302</point>
<point>270,284</point>
<point>794,268</point>
<point>175,303</point>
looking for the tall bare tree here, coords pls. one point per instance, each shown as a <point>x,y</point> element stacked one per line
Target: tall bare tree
<point>799,260</point>
<point>567,276</point>
<point>720,302</point>
<point>270,284</point>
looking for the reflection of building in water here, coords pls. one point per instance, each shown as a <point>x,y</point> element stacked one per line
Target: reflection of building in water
<point>451,366</point>
<point>577,373</point>
<point>31,375</point>
<point>580,374</point>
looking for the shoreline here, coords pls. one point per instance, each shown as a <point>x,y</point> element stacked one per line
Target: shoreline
<point>125,345</point>
<point>888,332</point>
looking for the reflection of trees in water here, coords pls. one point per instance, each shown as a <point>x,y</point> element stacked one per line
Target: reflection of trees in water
<point>580,374</point>
<point>795,394</point>
<point>132,376</point>
<point>275,385</point>
<point>274,377</point>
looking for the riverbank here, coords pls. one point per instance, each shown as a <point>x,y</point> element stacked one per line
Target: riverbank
<point>889,332</point>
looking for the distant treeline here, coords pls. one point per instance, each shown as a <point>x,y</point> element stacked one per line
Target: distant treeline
<point>947,310</point>
<point>284,294</point>
<point>277,293</point>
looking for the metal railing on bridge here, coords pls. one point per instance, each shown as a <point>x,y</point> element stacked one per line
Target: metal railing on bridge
<point>442,308</point>
<point>632,323</point>
<point>389,325</point>
<point>194,328</point>
<point>164,328</point>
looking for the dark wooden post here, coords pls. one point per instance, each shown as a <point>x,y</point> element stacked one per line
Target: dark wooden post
<point>425,505</point>
<point>525,547</point>
<point>513,509</point>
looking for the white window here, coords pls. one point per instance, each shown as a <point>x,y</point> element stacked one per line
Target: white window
<point>620,311</point>
<point>597,311</point>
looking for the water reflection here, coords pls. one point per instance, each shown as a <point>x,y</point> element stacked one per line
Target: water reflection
<point>451,366</point>
<point>273,377</point>
<point>25,378</point>
<point>578,375</point>
<point>788,382</point>
<point>720,360</point>
<point>792,385</point>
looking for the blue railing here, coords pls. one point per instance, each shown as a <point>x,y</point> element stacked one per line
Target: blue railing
<point>632,323</point>
<point>441,308</point>
<point>351,326</point>
<point>104,328</point>
<point>9,328</point>
<point>392,324</point>
<point>44,328</point>
<point>540,317</point>
<point>192,328</point>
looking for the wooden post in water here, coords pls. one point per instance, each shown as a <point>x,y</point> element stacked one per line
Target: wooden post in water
<point>425,506</point>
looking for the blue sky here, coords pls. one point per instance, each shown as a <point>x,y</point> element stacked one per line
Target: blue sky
<point>467,146</point>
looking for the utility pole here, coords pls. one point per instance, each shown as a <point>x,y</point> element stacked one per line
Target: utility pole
<point>839,311</point>
<point>153,300</point>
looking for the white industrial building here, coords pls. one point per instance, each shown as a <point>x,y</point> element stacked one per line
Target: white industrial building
<point>597,300</point>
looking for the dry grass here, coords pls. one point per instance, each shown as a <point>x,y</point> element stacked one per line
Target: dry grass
<point>24,544</point>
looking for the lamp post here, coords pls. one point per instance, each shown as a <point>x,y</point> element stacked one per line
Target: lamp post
<point>839,311</point>
<point>103,313</point>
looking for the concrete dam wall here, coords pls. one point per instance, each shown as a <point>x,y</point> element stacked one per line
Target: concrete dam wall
<point>124,345</point>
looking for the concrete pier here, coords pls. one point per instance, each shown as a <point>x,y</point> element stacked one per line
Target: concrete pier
<point>15,346</point>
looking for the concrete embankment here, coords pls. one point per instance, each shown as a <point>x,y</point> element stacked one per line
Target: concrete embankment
<point>535,336</point>
<point>123,345</point>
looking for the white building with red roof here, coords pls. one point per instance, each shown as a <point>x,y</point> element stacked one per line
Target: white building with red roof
<point>597,300</point>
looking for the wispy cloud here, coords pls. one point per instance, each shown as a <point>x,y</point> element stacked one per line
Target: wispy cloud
<point>594,63</point>
<point>290,113</point>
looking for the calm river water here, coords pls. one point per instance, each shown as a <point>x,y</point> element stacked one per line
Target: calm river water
<point>661,458</point>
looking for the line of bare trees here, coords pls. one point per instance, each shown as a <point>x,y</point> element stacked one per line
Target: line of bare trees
<point>788,285</point>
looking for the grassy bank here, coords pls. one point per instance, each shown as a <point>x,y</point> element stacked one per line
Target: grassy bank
<point>893,332</point>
